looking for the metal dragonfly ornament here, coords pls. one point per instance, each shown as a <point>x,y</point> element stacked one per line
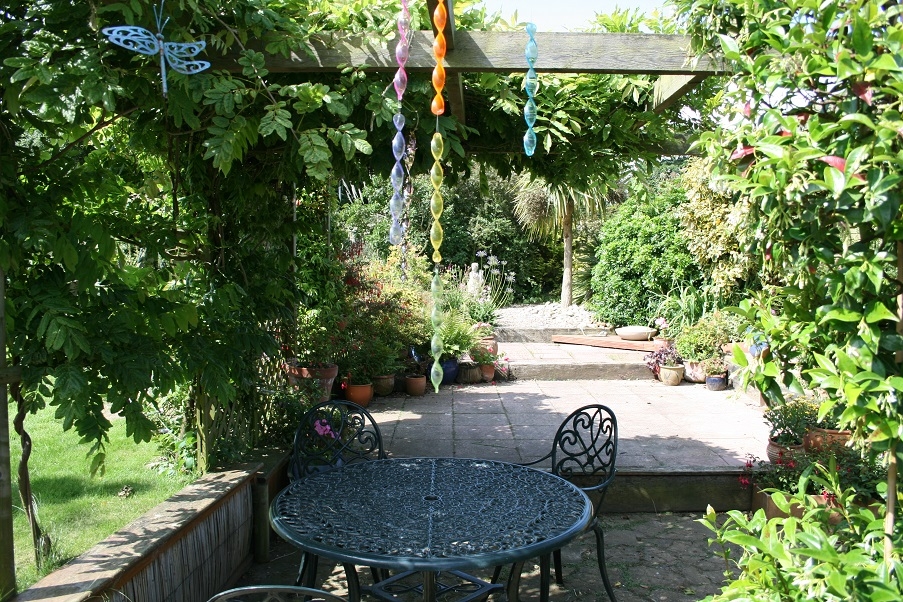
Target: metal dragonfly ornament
<point>176,54</point>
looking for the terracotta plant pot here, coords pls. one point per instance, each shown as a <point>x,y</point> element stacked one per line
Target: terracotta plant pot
<point>415,384</point>
<point>490,344</point>
<point>326,375</point>
<point>362,395</point>
<point>818,438</point>
<point>383,385</point>
<point>776,451</point>
<point>671,375</point>
<point>488,372</point>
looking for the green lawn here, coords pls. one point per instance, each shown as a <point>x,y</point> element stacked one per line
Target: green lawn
<point>74,508</point>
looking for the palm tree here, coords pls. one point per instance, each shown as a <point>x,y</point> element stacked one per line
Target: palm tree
<point>549,210</point>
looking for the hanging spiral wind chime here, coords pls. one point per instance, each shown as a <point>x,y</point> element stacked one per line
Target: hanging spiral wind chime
<point>396,177</point>
<point>437,146</point>
<point>531,85</point>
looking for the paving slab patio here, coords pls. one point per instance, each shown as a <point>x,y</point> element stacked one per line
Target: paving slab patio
<point>660,428</point>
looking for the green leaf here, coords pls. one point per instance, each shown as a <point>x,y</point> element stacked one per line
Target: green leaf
<point>841,315</point>
<point>886,61</point>
<point>862,36</point>
<point>729,47</point>
<point>876,312</point>
<point>835,180</point>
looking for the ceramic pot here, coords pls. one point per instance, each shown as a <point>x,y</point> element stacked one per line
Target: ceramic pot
<point>818,438</point>
<point>776,451</point>
<point>383,385</point>
<point>469,374</point>
<point>415,385</point>
<point>362,395</point>
<point>694,372</point>
<point>671,375</point>
<point>449,371</point>
<point>488,372</point>
<point>716,382</point>
<point>325,374</point>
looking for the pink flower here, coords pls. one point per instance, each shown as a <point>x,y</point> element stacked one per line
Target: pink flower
<point>323,429</point>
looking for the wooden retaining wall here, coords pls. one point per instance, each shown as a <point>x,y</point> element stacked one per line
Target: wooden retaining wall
<point>191,546</point>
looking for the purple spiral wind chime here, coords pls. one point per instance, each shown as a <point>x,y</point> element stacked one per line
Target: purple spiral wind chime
<point>396,177</point>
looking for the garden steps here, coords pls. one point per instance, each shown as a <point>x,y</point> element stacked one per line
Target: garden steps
<point>564,361</point>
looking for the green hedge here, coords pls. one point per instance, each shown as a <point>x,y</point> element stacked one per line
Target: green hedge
<point>642,254</point>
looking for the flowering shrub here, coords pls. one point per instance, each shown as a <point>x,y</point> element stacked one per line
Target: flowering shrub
<point>481,355</point>
<point>859,474</point>
<point>662,325</point>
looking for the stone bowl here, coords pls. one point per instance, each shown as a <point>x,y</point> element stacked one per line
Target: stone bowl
<point>636,333</point>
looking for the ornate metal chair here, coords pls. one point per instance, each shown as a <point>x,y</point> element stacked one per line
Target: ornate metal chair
<point>331,434</point>
<point>275,593</point>
<point>584,451</point>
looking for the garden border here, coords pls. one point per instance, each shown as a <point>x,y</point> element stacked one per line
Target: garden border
<point>189,547</point>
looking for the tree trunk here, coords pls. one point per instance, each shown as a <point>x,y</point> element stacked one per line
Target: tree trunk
<point>7,555</point>
<point>567,232</point>
<point>40,540</point>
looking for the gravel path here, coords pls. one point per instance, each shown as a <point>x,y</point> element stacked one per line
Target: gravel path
<point>546,315</point>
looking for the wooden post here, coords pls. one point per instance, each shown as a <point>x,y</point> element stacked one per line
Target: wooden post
<point>7,555</point>
<point>260,502</point>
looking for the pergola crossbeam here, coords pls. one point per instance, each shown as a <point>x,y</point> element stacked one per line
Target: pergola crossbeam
<point>502,52</point>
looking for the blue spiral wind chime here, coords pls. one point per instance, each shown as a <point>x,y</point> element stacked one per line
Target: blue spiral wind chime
<point>531,85</point>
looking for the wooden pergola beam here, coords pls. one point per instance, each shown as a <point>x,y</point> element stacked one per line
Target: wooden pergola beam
<point>668,88</point>
<point>502,52</point>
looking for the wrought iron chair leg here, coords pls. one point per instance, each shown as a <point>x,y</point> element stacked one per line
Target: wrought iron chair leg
<point>600,552</point>
<point>379,574</point>
<point>354,585</point>
<point>544,578</point>
<point>559,575</point>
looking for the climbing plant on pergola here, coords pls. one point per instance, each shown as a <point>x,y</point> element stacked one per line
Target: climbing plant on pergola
<point>146,242</point>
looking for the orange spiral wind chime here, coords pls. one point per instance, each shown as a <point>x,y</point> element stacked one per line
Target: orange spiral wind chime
<point>437,146</point>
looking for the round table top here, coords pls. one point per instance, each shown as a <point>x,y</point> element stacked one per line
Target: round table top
<point>431,513</point>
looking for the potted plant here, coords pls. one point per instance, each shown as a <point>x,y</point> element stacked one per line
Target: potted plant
<point>695,344</point>
<point>383,365</point>
<point>317,340</point>
<point>485,333</point>
<point>715,373</point>
<point>666,364</point>
<point>485,359</point>
<point>457,338</point>
<point>788,423</point>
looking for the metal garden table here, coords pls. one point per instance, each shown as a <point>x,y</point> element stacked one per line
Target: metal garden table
<point>432,516</point>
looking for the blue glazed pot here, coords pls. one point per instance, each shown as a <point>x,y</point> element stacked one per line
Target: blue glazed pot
<point>716,383</point>
<point>449,370</point>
